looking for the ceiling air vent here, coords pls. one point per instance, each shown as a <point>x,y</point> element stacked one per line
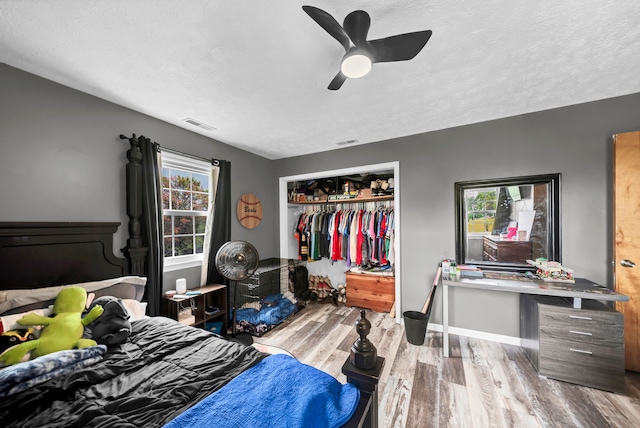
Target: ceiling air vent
<point>344,143</point>
<point>199,124</point>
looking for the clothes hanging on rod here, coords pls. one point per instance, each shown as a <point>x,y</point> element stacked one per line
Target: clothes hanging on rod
<point>358,233</point>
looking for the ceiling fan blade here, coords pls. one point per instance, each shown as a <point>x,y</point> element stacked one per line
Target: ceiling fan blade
<point>329,24</point>
<point>357,24</point>
<point>399,48</point>
<point>337,81</point>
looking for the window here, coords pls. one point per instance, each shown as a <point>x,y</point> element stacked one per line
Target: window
<point>186,195</point>
<point>481,209</point>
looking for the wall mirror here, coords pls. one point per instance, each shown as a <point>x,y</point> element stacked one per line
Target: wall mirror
<point>501,223</point>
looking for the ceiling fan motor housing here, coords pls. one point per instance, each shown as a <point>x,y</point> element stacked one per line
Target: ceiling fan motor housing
<point>361,53</point>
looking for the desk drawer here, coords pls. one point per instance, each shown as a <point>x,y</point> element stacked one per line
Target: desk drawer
<point>489,250</point>
<point>605,327</point>
<point>583,346</point>
<point>594,365</point>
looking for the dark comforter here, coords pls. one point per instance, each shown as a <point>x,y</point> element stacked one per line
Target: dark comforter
<point>161,371</point>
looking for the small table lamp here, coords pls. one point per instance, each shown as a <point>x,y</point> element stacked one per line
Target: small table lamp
<point>181,285</point>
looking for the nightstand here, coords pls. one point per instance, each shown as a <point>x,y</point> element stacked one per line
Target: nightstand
<point>210,305</point>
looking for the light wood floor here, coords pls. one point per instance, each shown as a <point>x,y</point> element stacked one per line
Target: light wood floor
<point>483,384</point>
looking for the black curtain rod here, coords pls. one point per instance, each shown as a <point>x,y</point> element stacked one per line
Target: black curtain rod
<point>214,162</point>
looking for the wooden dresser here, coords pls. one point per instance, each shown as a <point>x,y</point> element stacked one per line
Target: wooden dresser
<point>582,346</point>
<point>375,292</point>
<point>496,249</point>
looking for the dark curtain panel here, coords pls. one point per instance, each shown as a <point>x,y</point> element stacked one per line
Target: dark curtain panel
<point>221,230</point>
<point>152,223</point>
<point>503,213</point>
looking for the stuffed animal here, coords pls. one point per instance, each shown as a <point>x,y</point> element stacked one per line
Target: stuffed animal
<point>61,332</point>
<point>113,326</point>
<point>11,338</point>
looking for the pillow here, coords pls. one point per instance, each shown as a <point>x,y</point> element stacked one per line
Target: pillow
<point>10,322</point>
<point>126,287</point>
<point>137,310</point>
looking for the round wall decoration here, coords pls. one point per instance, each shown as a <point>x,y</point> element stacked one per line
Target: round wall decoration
<point>249,210</point>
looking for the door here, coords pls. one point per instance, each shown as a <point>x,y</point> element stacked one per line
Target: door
<point>626,249</point>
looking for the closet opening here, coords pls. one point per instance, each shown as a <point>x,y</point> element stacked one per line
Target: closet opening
<point>368,192</point>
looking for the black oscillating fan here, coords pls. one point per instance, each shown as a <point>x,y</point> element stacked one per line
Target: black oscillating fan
<point>237,261</point>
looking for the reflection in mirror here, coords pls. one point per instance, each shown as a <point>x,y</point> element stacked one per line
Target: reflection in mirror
<point>502,223</point>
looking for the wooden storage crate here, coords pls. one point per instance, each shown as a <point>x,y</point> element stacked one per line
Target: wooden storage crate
<point>375,292</point>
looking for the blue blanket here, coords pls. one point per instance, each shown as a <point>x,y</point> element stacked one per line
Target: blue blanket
<point>274,309</point>
<point>21,376</point>
<point>277,392</point>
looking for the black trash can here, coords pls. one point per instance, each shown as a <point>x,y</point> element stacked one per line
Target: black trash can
<point>415,326</point>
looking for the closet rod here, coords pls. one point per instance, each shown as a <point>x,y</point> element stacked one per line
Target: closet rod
<point>133,138</point>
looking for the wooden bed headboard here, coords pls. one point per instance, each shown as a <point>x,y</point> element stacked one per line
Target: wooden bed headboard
<point>44,254</point>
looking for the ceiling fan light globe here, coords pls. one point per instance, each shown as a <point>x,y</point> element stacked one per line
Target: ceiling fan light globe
<point>356,65</point>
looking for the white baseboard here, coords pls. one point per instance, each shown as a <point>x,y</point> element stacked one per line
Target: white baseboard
<point>509,340</point>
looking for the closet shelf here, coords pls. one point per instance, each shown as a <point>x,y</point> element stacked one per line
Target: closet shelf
<point>344,201</point>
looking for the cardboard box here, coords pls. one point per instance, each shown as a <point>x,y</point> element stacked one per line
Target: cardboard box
<point>188,321</point>
<point>185,316</point>
<point>364,193</point>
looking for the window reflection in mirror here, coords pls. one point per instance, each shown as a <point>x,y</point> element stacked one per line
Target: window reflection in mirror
<point>502,223</point>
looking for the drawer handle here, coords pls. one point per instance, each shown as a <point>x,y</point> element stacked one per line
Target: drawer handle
<point>580,318</point>
<point>580,351</point>
<point>584,333</point>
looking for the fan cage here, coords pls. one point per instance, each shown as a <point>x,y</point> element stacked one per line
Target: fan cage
<point>271,280</point>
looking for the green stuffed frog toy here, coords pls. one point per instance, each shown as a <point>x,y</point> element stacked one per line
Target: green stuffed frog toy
<point>62,331</point>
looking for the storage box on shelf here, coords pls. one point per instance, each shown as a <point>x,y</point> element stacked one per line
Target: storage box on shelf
<point>345,199</point>
<point>205,309</point>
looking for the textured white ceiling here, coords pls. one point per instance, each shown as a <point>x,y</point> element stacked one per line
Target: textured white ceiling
<point>258,70</point>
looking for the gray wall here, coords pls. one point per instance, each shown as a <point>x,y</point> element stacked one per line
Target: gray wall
<point>574,141</point>
<point>61,160</point>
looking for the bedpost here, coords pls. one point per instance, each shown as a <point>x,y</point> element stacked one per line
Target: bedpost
<point>134,251</point>
<point>363,368</point>
<point>367,382</point>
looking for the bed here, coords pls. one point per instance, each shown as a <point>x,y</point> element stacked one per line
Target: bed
<point>165,374</point>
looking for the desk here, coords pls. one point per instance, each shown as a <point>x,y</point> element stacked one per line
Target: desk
<point>582,289</point>
<point>563,337</point>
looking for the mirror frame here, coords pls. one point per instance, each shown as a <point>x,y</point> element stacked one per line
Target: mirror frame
<point>553,218</point>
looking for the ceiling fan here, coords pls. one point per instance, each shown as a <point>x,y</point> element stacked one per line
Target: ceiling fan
<point>361,53</point>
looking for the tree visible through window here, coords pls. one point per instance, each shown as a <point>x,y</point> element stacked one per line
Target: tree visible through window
<point>185,202</point>
<point>481,210</point>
